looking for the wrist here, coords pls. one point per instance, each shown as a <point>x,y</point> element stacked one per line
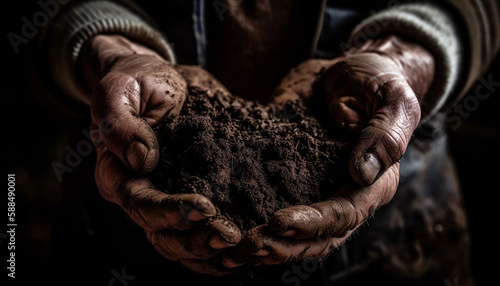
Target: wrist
<point>415,63</point>
<point>102,51</point>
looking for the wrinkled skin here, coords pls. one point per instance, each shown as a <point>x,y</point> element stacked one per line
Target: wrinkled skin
<point>132,89</point>
<point>373,93</point>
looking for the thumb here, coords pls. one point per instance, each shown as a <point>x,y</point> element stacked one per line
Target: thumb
<point>116,108</point>
<point>396,114</point>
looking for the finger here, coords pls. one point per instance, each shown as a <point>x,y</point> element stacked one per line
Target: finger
<point>228,262</point>
<point>128,136</point>
<point>383,142</point>
<point>287,250</point>
<point>127,108</point>
<point>299,82</point>
<point>148,207</point>
<point>335,216</point>
<point>269,249</point>
<point>347,104</point>
<point>339,215</point>
<point>347,114</point>
<point>109,171</point>
<point>201,79</point>
<point>200,242</point>
<point>155,210</point>
<point>367,94</point>
<point>284,94</point>
<point>209,266</point>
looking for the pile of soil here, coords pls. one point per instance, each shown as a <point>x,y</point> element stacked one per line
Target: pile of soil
<point>249,159</point>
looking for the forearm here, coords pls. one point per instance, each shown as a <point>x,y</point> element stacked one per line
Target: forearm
<point>73,28</point>
<point>430,27</point>
<point>415,63</point>
<point>463,36</point>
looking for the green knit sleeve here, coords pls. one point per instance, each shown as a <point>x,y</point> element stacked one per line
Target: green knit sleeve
<point>82,21</point>
<point>431,27</point>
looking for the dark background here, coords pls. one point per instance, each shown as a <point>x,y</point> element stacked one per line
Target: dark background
<point>474,146</point>
<point>53,234</point>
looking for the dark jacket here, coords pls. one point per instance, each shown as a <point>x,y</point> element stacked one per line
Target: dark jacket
<point>425,222</point>
<point>326,28</point>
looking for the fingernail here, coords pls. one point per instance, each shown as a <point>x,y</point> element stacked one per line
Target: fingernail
<point>262,252</point>
<point>230,263</point>
<point>370,167</point>
<point>136,154</point>
<point>217,242</point>
<point>200,210</point>
<point>194,215</point>
<point>289,232</point>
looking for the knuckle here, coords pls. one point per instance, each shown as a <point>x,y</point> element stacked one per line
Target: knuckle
<point>394,143</point>
<point>391,140</point>
<point>346,216</point>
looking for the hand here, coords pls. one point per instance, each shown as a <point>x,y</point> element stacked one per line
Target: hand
<point>312,232</point>
<point>133,88</point>
<point>375,93</point>
<point>378,93</point>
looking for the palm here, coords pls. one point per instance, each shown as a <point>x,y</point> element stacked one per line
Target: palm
<point>134,95</point>
<point>367,96</point>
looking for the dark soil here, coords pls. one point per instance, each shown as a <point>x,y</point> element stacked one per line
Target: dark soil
<point>250,159</point>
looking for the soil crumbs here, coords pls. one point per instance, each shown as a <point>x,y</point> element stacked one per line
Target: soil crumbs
<point>249,159</point>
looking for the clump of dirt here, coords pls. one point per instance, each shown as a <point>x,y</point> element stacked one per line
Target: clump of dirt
<point>249,159</point>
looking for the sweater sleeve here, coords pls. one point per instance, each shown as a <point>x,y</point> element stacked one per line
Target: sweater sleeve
<point>70,30</point>
<point>449,33</point>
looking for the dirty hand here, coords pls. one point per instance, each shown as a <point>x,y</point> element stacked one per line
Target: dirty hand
<point>312,232</point>
<point>374,92</point>
<point>132,88</point>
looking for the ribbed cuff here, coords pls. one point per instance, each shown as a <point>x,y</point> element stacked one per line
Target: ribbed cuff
<point>83,21</point>
<point>432,28</point>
